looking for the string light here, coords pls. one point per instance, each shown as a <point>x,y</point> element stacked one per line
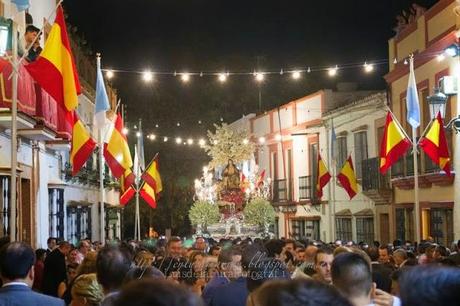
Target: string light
<point>109,74</point>
<point>202,142</point>
<point>165,139</point>
<point>262,140</point>
<point>178,140</point>
<point>147,76</point>
<point>190,141</point>
<point>185,77</point>
<point>178,123</point>
<point>222,77</point>
<point>138,134</point>
<point>368,67</point>
<point>152,137</point>
<point>125,131</point>
<point>395,61</point>
<point>296,75</point>
<point>259,77</point>
<point>157,126</point>
<point>332,71</point>
<point>245,141</point>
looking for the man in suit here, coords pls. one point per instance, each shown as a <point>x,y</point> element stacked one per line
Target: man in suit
<point>380,272</point>
<point>55,270</point>
<point>456,257</point>
<point>17,273</point>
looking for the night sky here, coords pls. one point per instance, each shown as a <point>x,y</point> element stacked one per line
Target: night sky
<point>217,35</point>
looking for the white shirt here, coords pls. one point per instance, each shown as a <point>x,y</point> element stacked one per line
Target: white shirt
<point>15,283</point>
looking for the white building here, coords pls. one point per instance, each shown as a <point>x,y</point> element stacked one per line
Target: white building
<point>290,137</point>
<point>50,203</point>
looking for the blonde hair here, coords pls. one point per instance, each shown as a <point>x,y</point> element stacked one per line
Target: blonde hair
<point>88,265</point>
<point>86,286</point>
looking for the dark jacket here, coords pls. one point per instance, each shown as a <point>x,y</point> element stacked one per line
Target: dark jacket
<point>381,276</point>
<point>54,272</point>
<point>232,294</point>
<point>18,295</point>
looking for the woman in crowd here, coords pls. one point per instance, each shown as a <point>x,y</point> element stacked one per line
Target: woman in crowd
<point>86,291</point>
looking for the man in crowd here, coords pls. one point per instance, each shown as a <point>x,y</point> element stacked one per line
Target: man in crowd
<point>384,255</point>
<point>17,273</point>
<point>83,249</point>
<point>200,244</point>
<point>174,247</point>
<point>51,242</point>
<point>112,264</point>
<point>380,272</point>
<point>55,269</point>
<point>323,262</point>
<point>29,37</point>
<point>456,257</point>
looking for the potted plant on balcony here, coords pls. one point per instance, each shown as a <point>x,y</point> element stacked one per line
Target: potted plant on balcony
<point>202,214</point>
<point>261,213</point>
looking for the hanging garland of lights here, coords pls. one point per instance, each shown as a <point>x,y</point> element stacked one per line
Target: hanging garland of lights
<point>296,74</point>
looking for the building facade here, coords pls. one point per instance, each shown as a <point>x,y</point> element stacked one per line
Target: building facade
<point>50,202</point>
<point>290,138</point>
<point>427,36</point>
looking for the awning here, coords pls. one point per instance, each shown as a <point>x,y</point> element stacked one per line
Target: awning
<point>365,213</point>
<point>343,213</point>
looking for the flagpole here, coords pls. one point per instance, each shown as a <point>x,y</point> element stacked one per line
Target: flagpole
<point>416,188</point>
<point>14,135</point>
<point>101,172</point>
<point>329,189</point>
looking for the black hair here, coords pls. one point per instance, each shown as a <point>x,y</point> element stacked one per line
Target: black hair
<point>156,292</point>
<point>298,292</point>
<point>373,253</point>
<point>16,260</point>
<point>32,28</point>
<point>39,253</point>
<point>112,264</point>
<point>435,285</point>
<point>351,274</point>
<point>49,240</point>
<point>274,247</point>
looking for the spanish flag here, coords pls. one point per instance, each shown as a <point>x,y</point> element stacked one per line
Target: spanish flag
<point>434,143</point>
<point>148,194</point>
<point>152,176</point>
<point>323,177</point>
<point>347,178</point>
<point>127,190</point>
<point>55,70</point>
<point>82,145</point>
<point>117,154</point>
<point>394,144</point>
<point>260,179</point>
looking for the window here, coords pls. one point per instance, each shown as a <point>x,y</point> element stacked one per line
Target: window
<point>343,228</point>
<point>360,152</point>
<point>365,229</point>
<point>404,224</point>
<point>78,223</point>
<point>56,212</point>
<point>441,225</point>
<point>4,206</point>
<point>305,229</point>
<point>342,152</point>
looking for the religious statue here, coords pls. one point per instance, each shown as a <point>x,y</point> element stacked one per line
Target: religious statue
<point>231,176</point>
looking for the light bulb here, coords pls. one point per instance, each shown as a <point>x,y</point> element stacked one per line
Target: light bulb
<point>185,77</point>
<point>109,74</point>
<point>222,77</point>
<point>332,71</point>
<point>262,140</point>
<point>178,140</point>
<point>296,75</point>
<point>147,76</point>
<point>259,77</point>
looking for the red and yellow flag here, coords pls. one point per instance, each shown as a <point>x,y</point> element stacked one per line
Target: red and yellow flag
<point>260,179</point>
<point>152,176</point>
<point>347,178</point>
<point>434,143</point>
<point>323,177</point>
<point>394,144</point>
<point>55,70</point>
<point>127,190</point>
<point>82,145</point>
<point>148,194</point>
<point>117,154</point>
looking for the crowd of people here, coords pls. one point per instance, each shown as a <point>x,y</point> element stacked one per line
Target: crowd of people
<point>236,272</point>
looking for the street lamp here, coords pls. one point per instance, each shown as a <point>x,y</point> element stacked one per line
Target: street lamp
<point>437,103</point>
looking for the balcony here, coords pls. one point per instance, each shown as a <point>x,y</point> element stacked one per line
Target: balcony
<point>39,116</point>
<point>375,185</point>
<point>402,173</point>
<point>307,190</point>
<point>282,191</point>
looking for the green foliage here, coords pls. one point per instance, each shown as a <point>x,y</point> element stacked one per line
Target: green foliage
<point>203,213</point>
<point>259,212</point>
<point>227,144</point>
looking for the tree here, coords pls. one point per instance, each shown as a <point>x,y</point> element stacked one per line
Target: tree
<point>227,144</point>
<point>259,212</point>
<point>204,213</point>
